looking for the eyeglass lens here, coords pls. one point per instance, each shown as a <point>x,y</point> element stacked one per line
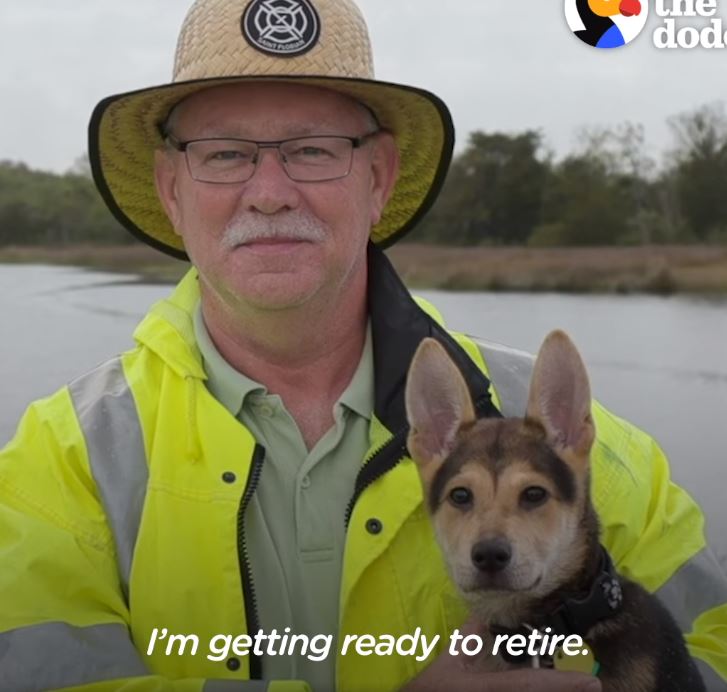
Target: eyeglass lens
<point>304,159</point>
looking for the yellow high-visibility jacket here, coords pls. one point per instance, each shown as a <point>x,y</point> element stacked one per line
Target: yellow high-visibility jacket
<point>122,509</point>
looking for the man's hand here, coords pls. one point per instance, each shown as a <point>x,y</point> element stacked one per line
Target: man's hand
<point>459,674</point>
<point>452,675</point>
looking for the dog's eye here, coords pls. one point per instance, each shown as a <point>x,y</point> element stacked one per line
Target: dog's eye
<point>460,497</point>
<point>533,496</point>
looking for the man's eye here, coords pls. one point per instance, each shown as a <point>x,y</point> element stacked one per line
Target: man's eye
<point>228,155</point>
<point>309,152</point>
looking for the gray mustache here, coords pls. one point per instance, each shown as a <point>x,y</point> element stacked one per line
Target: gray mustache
<point>248,227</point>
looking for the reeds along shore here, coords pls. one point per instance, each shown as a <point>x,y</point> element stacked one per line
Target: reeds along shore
<point>644,269</point>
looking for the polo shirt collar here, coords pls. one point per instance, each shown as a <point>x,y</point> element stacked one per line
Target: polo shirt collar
<point>231,387</point>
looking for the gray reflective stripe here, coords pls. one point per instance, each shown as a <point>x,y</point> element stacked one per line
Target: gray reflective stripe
<point>55,655</point>
<point>712,681</point>
<point>510,371</point>
<point>235,686</point>
<point>696,587</point>
<point>114,440</point>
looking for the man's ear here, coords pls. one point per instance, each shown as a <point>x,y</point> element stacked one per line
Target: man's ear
<point>438,403</point>
<point>385,171</point>
<point>560,398</point>
<point>165,178</point>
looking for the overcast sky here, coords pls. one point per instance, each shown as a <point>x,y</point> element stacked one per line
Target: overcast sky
<point>499,64</point>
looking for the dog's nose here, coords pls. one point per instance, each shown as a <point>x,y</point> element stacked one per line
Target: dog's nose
<point>492,555</point>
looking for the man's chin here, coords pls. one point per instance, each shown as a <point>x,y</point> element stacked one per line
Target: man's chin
<point>274,291</point>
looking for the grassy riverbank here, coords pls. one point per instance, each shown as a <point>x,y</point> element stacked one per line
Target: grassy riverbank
<point>657,269</point>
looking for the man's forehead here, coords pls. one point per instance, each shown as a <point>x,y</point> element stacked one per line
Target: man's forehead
<point>301,108</point>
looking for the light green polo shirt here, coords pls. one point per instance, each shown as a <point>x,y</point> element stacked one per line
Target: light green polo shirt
<point>295,523</point>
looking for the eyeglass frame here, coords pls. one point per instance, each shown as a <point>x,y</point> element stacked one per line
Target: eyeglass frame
<point>181,146</point>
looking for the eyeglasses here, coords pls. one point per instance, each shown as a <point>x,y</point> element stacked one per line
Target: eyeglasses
<point>305,159</point>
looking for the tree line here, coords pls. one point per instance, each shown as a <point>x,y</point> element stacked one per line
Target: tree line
<point>506,189</point>
<point>502,189</point>
<point>42,208</point>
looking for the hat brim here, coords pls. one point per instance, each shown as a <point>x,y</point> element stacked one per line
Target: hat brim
<point>124,133</point>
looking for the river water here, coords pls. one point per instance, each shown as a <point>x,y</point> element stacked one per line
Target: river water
<point>660,362</point>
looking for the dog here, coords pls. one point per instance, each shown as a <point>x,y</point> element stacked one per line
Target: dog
<point>510,504</point>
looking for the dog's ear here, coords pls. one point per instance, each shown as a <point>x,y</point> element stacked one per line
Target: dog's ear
<point>438,403</point>
<point>560,397</point>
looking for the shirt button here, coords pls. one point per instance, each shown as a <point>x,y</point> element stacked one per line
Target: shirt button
<point>266,410</point>
<point>233,664</point>
<point>229,477</point>
<point>305,482</point>
<point>374,526</point>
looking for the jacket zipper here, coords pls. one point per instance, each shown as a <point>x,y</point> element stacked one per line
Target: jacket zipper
<point>248,587</point>
<point>392,452</point>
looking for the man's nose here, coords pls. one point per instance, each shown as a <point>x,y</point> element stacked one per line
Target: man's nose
<point>270,190</point>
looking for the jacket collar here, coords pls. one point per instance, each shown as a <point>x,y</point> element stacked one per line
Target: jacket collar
<point>168,329</point>
<point>398,327</point>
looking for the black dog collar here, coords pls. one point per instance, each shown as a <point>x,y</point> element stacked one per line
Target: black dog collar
<point>574,615</point>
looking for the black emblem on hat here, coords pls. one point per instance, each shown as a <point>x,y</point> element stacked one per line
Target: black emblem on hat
<point>284,28</point>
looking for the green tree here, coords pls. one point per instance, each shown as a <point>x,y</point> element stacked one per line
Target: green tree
<point>608,192</point>
<point>493,192</point>
<point>37,207</point>
<point>699,170</point>
<point>584,204</point>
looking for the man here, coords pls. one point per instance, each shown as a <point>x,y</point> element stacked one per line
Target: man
<point>210,482</point>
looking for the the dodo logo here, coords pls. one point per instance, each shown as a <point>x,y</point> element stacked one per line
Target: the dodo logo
<point>606,23</point>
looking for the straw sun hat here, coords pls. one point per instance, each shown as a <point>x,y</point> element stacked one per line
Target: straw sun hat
<point>322,43</point>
